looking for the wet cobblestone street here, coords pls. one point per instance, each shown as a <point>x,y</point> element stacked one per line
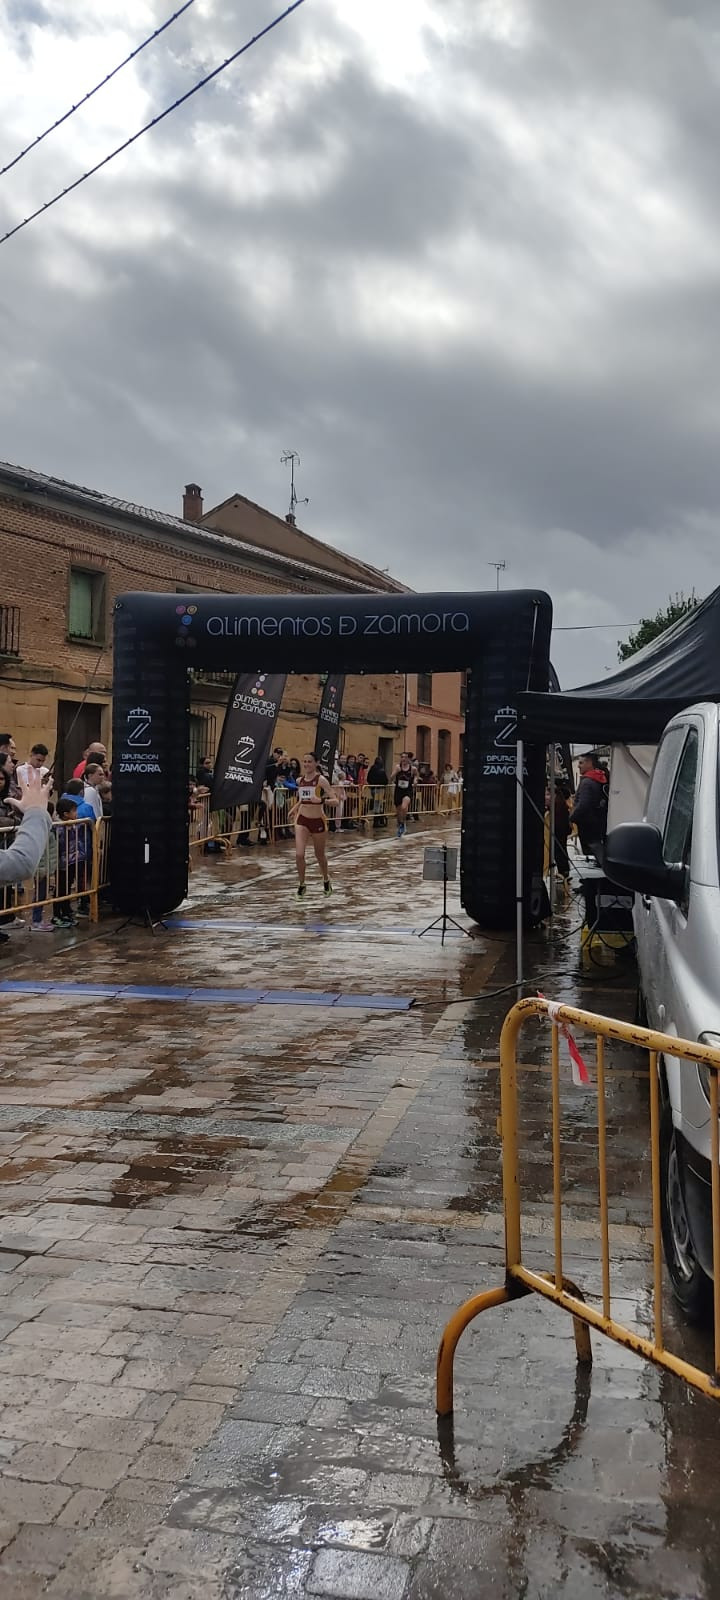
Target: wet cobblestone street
<point>235,1213</point>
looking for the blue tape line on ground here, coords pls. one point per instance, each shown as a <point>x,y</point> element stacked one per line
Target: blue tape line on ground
<point>172,993</point>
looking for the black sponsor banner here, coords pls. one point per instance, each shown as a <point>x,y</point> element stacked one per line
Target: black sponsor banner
<point>246,738</point>
<point>328,724</point>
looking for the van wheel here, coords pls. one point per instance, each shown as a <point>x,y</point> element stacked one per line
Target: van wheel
<point>691,1286</point>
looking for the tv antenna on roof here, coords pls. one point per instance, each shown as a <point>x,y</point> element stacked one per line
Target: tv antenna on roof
<point>292,456</point>
<point>499,567</point>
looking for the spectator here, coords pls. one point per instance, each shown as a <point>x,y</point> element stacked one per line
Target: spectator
<point>377,783</point>
<point>71,857</point>
<point>284,795</point>
<point>105,793</point>
<point>403,778</point>
<point>450,788</point>
<point>589,812</point>
<point>75,793</point>
<point>85,818</point>
<point>6,774</point>
<point>350,791</point>
<point>561,828</point>
<point>424,797</point>
<point>94,775</point>
<point>95,752</point>
<point>37,758</point>
<point>334,808</point>
<point>205,773</point>
<point>9,750</point>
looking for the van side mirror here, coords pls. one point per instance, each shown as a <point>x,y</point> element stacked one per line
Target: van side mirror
<point>634,860</point>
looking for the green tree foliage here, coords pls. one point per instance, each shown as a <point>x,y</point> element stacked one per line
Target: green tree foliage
<point>650,627</point>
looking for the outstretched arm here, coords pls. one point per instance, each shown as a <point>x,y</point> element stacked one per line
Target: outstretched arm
<point>22,858</point>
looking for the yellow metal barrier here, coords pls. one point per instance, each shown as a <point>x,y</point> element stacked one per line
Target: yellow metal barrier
<point>74,867</point>
<point>355,808</point>
<point>521,1280</point>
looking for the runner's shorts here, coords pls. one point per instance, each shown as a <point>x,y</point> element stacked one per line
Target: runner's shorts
<point>313,824</point>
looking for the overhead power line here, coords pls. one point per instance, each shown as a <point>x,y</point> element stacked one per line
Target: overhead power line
<point>584,627</point>
<point>132,56</point>
<point>153,123</point>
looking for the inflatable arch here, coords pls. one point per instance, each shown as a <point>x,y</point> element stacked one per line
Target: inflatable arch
<point>503,640</point>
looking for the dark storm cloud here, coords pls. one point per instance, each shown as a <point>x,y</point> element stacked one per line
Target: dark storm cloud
<point>482,305</point>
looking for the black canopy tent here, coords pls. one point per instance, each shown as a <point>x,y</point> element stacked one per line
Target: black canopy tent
<point>632,705</point>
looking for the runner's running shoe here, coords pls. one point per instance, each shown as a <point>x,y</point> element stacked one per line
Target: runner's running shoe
<point>327,887</point>
<point>300,892</point>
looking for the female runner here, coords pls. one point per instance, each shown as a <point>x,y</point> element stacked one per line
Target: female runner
<point>403,779</point>
<point>310,821</point>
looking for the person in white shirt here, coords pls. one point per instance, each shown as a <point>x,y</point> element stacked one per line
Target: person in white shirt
<point>35,764</point>
<point>94,774</point>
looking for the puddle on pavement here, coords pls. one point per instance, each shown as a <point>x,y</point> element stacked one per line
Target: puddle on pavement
<point>314,1208</point>
<point>15,1171</point>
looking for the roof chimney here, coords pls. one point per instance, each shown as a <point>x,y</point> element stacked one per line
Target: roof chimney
<point>192,503</point>
<point>290,517</point>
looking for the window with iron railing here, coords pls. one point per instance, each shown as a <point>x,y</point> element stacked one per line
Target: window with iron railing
<point>424,688</point>
<point>9,630</point>
<point>203,739</point>
<point>199,675</point>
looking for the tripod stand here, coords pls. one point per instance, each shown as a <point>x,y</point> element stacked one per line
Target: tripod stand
<point>143,919</point>
<point>445,919</point>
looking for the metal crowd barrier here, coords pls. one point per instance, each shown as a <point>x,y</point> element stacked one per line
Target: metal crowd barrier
<point>74,868</point>
<point>358,807</point>
<point>552,1284</point>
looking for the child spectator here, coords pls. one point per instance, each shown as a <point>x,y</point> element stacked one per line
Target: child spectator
<point>71,858</point>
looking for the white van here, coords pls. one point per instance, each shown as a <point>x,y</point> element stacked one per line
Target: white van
<point>671,860</point>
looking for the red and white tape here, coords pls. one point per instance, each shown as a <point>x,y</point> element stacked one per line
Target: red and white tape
<point>580,1074</point>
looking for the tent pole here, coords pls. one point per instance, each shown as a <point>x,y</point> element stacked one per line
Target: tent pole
<point>519,816</point>
<point>552,830</point>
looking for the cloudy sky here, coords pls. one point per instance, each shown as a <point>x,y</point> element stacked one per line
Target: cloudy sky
<point>463,255</point>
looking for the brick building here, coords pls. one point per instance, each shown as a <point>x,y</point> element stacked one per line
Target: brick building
<point>436,718</point>
<point>66,551</point>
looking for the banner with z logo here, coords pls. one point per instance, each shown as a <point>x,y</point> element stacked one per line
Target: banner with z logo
<point>328,724</point>
<point>246,738</point>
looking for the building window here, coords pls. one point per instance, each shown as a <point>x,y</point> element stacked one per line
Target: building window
<point>203,738</point>
<point>444,749</point>
<point>86,605</point>
<point>424,688</point>
<point>423,751</point>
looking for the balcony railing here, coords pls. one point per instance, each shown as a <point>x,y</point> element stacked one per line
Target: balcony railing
<point>199,675</point>
<point>9,630</point>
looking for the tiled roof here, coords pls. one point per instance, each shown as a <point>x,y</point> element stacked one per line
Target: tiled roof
<point>93,500</point>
